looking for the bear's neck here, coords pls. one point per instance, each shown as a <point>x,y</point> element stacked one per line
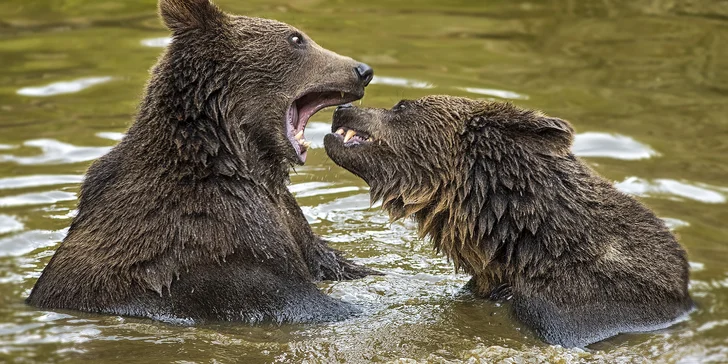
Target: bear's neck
<point>184,125</point>
<point>502,214</point>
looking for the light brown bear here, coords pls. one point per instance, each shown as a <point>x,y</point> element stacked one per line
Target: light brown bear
<point>499,192</point>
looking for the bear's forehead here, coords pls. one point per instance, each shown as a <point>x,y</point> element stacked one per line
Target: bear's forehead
<point>447,102</point>
<point>261,25</point>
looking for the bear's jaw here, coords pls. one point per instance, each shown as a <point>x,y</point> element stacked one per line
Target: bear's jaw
<point>303,108</point>
<point>352,138</point>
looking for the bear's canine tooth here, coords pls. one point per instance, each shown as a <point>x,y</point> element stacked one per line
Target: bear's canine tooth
<point>340,131</point>
<point>307,145</point>
<point>299,135</point>
<point>349,134</point>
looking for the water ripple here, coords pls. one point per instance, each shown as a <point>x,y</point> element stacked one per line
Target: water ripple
<point>9,224</point>
<point>55,152</point>
<point>157,42</point>
<point>315,132</point>
<point>503,94</point>
<point>40,198</point>
<point>111,135</point>
<point>311,189</point>
<point>27,242</point>
<point>64,87</point>
<point>401,82</point>
<point>674,223</point>
<point>701,192</point>
<point>39,180</point>
<point>610,146</point>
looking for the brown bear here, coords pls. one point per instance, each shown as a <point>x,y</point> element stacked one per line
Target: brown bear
<point>499,192</point>
<point>189,218</point>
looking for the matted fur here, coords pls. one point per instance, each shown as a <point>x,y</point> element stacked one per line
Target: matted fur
<point>189,217</point>
<point>497,190</point>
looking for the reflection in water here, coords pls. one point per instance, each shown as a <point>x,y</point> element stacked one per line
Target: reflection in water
<point>38,180</point>
<point>29,241</point>
<point>9,224</point>
<point>671,188</point>
<point>111,136</point>
<point>400,82</point>
<point>659,94</point>
<point>157,42</point>
<point>610,146</point>
<point>675,224</point>
<point>315,132</point>
<point>66,87</point>
<point>55,152</point>
<point>39,198</point>
<point>495,92</point>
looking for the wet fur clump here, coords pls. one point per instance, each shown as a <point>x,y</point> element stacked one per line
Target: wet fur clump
<point>498,191</point>
<point>189,218</point>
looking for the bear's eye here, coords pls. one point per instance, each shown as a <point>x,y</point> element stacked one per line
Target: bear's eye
<point>296,39</point>
<point>400,106</point>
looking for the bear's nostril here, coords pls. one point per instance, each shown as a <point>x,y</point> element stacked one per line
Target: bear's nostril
<point>365,73</point>
<point>344,106</point>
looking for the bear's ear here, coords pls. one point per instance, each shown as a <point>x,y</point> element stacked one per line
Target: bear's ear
<point>556,132</point>
<point>179,15</point>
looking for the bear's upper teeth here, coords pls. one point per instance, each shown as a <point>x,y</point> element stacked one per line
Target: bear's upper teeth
<point>299,136</point>
<point>340,131</point>
<point>349,134</point>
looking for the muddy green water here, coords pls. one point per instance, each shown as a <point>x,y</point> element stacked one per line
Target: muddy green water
<point>645,83</point>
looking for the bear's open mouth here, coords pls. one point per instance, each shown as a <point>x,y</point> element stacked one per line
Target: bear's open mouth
<point>303,108</point>
<point>352,138</point>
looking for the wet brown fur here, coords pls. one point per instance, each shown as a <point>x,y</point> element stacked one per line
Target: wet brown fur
<point>189,217</point>
<point>498,191</point>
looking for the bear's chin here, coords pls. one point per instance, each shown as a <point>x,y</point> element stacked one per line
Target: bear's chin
<point>350,156</point>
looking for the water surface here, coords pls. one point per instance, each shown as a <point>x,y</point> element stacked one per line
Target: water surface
<point>645,84</point>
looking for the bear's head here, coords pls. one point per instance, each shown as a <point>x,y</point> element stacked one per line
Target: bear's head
<point>441,150</point>
<point>258,81</point>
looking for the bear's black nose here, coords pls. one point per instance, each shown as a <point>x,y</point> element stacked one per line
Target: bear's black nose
<point>345,106</point>
<point>365,73</point>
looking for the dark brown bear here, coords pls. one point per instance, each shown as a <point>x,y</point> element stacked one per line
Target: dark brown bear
<point>498,191</point>
<point>189,218</point>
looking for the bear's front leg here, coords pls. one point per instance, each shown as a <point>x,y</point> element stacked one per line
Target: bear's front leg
<point>328,264</point>
<point>490,285</point>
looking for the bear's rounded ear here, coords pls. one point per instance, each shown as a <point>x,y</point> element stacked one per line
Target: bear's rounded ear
<point>555,131</point>
<point>179,15</point>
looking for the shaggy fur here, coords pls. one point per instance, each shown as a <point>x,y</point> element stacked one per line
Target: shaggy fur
<point>189,217</point>
<point>498,191</point>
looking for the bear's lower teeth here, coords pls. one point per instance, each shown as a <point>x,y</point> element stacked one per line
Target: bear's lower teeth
<point>351,135</point>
